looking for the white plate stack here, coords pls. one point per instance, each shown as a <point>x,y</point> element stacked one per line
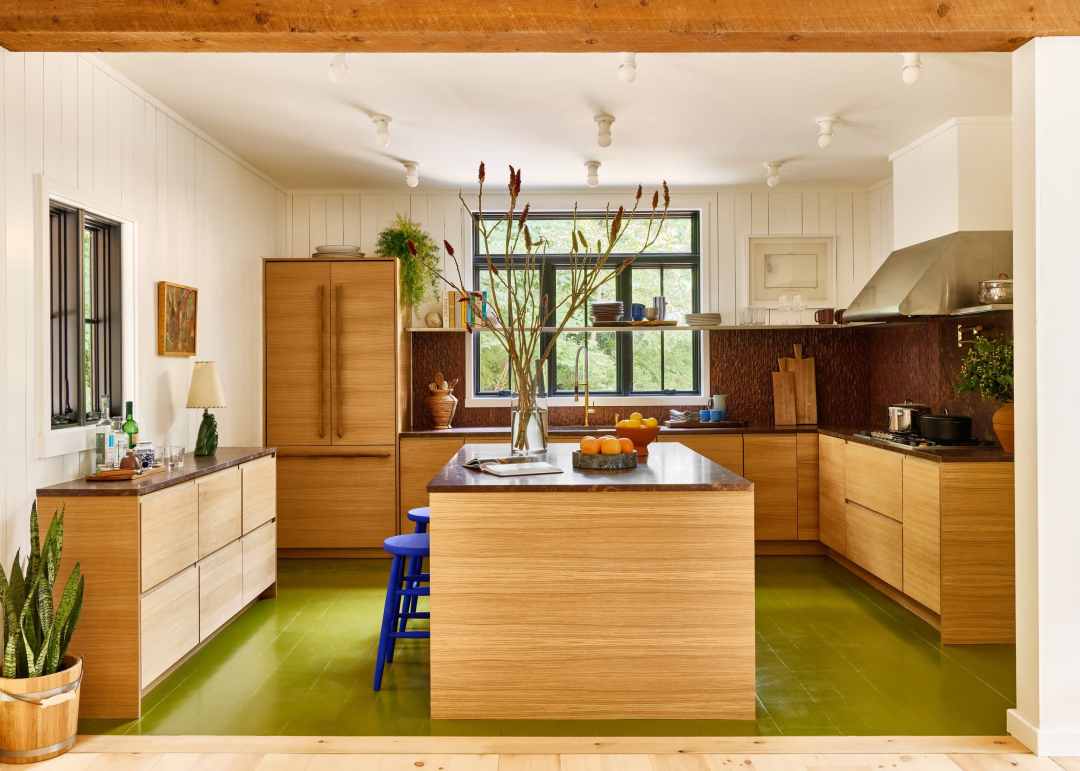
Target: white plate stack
<point>338,250</point>
<point>704,319</point>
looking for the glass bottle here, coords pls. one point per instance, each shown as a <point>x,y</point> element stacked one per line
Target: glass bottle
<point>103,428</point>
<point>130,427</point>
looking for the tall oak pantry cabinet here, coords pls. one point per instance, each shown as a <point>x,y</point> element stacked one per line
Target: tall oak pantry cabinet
<point>333,359</point>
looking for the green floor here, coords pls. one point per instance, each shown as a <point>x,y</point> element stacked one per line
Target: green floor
<point>834,657</point>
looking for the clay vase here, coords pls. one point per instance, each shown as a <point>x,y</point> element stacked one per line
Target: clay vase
<point>441,405</point>
<point>1003,426</point>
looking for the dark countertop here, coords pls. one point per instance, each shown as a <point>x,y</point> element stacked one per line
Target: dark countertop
<point>224,458</point>
<point>670,467</point>
<point>988,453</point>
<point>468,431</point>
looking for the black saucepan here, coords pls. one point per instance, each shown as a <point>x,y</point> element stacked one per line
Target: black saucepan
<point>946,429</point>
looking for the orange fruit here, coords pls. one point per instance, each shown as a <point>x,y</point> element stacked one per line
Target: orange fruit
<point>626,445</point>
<point>590,445</point>
<point>609,445</point>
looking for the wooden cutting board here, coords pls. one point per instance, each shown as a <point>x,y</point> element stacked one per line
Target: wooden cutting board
<point>783,387</point>
<point>805,385</point>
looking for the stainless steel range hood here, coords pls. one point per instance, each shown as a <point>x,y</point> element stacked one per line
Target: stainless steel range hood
<point>935,277</point>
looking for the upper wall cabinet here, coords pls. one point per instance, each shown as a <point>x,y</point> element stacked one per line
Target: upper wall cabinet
<point>957,177</point>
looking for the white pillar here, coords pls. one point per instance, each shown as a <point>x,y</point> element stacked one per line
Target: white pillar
<point>1046,257</point>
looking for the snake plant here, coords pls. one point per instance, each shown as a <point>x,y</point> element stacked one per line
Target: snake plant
<point>37,632</point>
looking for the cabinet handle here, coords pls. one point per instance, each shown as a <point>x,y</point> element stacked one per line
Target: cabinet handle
<point>339,416</point>
<point>322,361</point>
<point>341,456</point>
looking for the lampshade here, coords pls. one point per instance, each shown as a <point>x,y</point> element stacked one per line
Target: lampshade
<point>206,390</point>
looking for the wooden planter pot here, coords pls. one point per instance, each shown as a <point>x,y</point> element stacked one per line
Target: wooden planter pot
<point>39,716</point>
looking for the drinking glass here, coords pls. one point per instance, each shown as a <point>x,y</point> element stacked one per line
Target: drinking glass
<point>174,455</point>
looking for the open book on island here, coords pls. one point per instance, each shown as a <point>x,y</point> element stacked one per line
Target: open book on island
<point>515,466</point>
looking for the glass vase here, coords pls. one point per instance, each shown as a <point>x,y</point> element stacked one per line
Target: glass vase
<point>529,418</point>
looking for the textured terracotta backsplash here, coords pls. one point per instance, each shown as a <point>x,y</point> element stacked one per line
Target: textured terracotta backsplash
<point>860,371</point>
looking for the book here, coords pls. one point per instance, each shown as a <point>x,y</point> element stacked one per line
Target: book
<point>514,466</point>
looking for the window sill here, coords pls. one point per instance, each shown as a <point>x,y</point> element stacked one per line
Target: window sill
<point>684,400</point>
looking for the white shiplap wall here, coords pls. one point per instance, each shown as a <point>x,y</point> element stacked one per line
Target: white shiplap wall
<point>202,217</point>
<point>859,220</point>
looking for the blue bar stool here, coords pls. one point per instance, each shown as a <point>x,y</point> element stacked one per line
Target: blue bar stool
<point>421,515</point>
<point>401,591</point>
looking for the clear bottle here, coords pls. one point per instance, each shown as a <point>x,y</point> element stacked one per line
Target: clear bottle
<point>103,428</point>
<point>130,427</point>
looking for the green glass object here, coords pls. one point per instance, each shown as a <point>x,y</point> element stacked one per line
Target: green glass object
<point>130,427</point>
<point>207,440</point>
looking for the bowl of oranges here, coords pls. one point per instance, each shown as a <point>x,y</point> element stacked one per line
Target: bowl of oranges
<point>640,431</point>
<point>605,453</point>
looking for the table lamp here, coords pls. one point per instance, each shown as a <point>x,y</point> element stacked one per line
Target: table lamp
<point>206,392</point>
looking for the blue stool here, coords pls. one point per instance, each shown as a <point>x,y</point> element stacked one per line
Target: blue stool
<point>421,515</point>
<point>401,591</point>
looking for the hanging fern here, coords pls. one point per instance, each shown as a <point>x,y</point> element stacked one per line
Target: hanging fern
<point>419,270</point>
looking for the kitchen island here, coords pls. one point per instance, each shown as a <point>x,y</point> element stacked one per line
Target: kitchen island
<point>589,594</point>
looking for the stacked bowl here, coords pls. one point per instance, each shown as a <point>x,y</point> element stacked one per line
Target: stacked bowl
<point>606,312</point>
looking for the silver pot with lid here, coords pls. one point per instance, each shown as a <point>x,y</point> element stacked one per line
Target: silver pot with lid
<point>996,291</point>
<point>904,417</point>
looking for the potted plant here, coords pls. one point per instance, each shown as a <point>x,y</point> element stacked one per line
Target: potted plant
<point>39,689</point>
<point>987,370</point>
<point>418,255</point>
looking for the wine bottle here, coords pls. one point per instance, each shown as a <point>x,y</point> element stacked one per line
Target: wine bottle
<point>130,427</point>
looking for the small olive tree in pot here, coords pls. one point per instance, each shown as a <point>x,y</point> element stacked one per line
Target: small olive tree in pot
<point>39,689</point>
<point>987,370</point>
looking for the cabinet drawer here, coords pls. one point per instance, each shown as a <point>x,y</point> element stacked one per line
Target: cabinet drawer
<point>220,509</point>
<point>259,485</point>
<point>922,532</point>
<point>221,588</point>
<point>872,478</point>
<point>346,501</point>
<point>260,560</point>
<point>873,542</point>
<point>168,535</point>
<point>770,463</point>
<point>725,450</point>
<point>169,624</point>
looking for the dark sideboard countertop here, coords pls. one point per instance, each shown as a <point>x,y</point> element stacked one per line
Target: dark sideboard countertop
<point>194,467</point>
<point>670,467</point>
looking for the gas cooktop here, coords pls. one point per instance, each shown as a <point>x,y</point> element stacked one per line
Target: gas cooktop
<point>915,441</point>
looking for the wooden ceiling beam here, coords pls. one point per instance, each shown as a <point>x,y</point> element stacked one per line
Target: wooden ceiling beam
<point>537,25</point>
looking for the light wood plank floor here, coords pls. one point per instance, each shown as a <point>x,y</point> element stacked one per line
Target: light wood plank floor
<point>275,753</point>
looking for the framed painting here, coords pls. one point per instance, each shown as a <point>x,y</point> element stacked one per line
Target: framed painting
<point>178,311</point>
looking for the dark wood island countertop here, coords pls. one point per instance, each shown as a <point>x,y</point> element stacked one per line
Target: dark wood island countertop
<point>670,467</point>
<point>194,467</point>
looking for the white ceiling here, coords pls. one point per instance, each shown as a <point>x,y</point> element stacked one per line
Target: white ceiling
<point>694,119</point>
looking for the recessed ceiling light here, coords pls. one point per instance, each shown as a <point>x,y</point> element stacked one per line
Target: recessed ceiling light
<point>592,176</point>
<point>603,128</point>
<point>412,173</point>
<point>339,69</point>
<point>772,172</point>
<point>911,69</point>
<point>628,68</point>
<point>382,129</point>
<point>825,130</point>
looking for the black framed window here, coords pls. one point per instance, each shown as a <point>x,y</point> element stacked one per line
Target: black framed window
<point>86,331</point>
<point>638,363</point>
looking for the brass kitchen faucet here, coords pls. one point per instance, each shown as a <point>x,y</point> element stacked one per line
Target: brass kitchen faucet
<point>578,382</point>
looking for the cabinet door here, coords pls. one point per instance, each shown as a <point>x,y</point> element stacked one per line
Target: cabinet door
<point>922,532</point>
<point>220,509</point>
<point>872,478</point>
<point>259,484</point>
<point>873,542</point>
<point>364,350</point>
<point>806,454</point>
<point>725,449</point>
<point>344,501</point>
<point>168,533</point>
<point>832,523</point>
<point>297,328</point>
<point>421,459</point>
<point>221,588</point>
<point>168,624</point>
<point>260,560</point>
<point>769,462</point>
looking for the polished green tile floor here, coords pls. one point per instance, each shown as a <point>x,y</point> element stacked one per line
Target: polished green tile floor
<point>834,656</point>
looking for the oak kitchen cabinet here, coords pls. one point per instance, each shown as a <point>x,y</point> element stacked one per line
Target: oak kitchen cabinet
<point>938,531</point>
<point>332,338</point>
<point>771,463</point>
<point>159,595</point>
